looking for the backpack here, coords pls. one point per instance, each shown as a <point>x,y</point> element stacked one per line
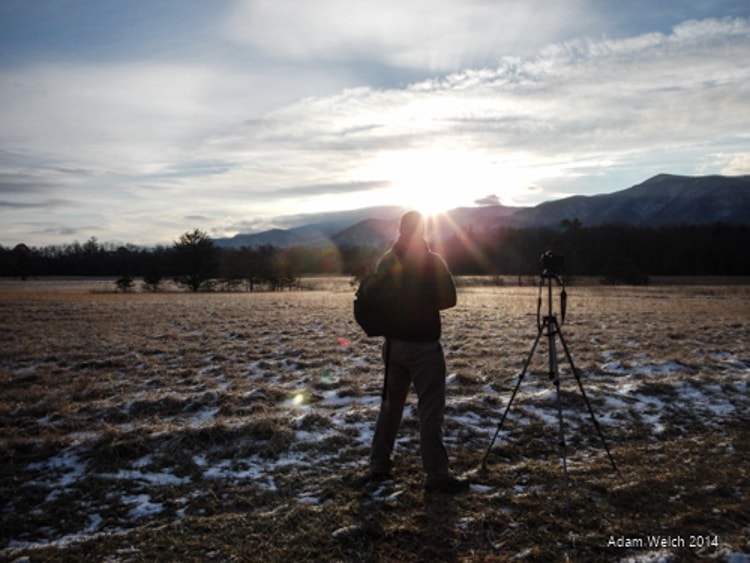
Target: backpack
<point>373,307</point>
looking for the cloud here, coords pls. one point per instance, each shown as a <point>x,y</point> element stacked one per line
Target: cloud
<point>430,35</point>
<point>737,165</point>
<point>22,184</point>
<point>491,199</point>
<point>44,204</point>
<point>36,181</point>
<point>574,108</point>
<point>337,188</point>
<point>68,231</point>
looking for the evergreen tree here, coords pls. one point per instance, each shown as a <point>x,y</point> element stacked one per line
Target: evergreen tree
<point>196,260</point>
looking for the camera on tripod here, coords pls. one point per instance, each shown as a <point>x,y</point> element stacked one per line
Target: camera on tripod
<point>548,326</point>
<point>552,264</point>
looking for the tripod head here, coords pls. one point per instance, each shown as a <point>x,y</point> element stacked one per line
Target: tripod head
<point>552,265</point>
<point>551,269</point>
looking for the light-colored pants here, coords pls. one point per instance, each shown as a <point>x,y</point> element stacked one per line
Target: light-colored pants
<point>423,364</point>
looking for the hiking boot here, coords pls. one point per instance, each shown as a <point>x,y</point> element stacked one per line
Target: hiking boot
<point>447,485</point>
<point>379,476</point>
<point>373,479</point>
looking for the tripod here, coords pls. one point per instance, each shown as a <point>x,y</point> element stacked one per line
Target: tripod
<point>549,327</point>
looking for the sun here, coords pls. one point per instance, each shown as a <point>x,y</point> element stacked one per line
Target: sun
<point>431,206</point>
<point>424,180</point>
<point>435,180</point>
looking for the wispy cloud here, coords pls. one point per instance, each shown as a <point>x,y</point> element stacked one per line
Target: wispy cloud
<point>43,204</point>
<point>572,109</point>
<point>342,188</point>
<point>426,35</point>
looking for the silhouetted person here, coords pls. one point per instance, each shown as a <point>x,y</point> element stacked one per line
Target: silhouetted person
<point>421,286</point>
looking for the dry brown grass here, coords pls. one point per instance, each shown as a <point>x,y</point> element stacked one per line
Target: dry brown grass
<point>227,427</point>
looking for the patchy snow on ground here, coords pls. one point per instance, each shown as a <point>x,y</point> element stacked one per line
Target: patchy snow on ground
<point>146,446</point>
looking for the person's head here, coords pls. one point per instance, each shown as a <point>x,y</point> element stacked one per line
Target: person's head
<point>412,226</point>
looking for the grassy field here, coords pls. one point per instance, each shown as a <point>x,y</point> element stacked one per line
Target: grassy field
<point>236,427</point>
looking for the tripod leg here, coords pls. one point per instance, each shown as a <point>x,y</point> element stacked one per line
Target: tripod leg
<point>513,395</point>
<point>586,400</point>
<point>554,376</point>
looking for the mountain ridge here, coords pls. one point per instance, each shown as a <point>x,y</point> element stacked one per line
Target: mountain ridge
<point>661,200</point>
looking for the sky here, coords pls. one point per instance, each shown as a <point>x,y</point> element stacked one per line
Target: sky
<point>134,121</point>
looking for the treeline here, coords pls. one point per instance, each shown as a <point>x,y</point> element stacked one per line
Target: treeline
<point>617,254</point>
<point>193,262</point>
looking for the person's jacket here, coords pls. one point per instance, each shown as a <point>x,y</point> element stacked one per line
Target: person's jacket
<point>420,286</point>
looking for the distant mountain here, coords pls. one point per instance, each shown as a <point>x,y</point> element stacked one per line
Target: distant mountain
<point>662,200</point>
<point>273,237</point>
<point>316,229</point>
<point>380,232</point>
<point>370,232</point>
